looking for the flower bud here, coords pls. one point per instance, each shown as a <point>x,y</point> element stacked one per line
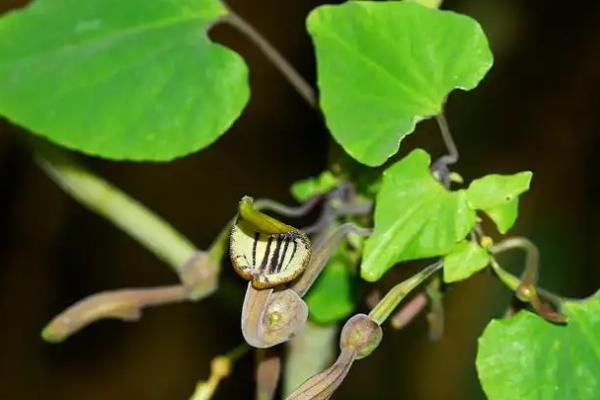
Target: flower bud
<point>361,334</point>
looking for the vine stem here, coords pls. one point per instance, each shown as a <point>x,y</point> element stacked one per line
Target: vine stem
<point>308,353</point>
<point>532,255</point>
<point>220,368</point>
<point>386,306</point>
<point>128,214</point>
<point>453,155</point>
<point>124,304</point>
<point>513,283</point>
<point>274,56</point>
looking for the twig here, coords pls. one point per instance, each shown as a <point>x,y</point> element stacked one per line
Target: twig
<point>268,372</point>
<point>391,300</point>
<point>409,311</point>
<point>273,55</point>
<point>321,254</point>
<point>220,368</point>
<point>308,353</point>
<point>513,283</point>
<point>125,212</point>
<point>124,304</point>
<point>452,156</point>
<point>287,211</point>
<point>532,256</point>
<point>321,386</point>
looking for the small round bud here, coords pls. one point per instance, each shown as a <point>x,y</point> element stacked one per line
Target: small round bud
<point>285,314</point>
<point>221,366</point>
<point>199,275</point>
<point>361,334</point>
<point>526,293</point>
<point>487,242</point>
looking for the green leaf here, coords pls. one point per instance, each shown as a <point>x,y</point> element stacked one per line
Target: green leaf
<point>498,197</point>
<point>525,357</point>
<point>131,79</point>
<point>466,259</point>
<point>428,3</point>
<point>305,189</point>
<point>415,217</point>
<point>332,297</point>
<point>384,66</point>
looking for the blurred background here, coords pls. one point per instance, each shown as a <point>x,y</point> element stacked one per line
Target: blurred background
<point>538,109</point>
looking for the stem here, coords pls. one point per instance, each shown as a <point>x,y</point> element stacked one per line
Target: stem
<point>220,245</point>
<point>125,304</point>
<point>268,372</point>
<point>308,353</point>
<point>283,65</point>
<point>287,211</point>
<point>452,156</point>
<point>513,283</point>
<point>532,256</point>
<point>220,368</point>
<point>391,300</point>
<point>321,254</point>
<point>322,385</point>
<point>435,317</point>
<point>125,212</point>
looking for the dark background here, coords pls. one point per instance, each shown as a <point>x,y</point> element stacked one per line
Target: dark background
<point>538,109</point>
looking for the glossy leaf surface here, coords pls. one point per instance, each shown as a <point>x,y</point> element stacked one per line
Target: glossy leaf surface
<point>415,217</point>
<point>384,66</point>
<point>133,79</point>
<point>526,357</point>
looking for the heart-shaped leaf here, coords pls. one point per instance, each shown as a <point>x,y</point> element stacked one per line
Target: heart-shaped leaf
<point>526,357</point>
<point>383,66</point>
<point>498,197</point>
<point>131,79</point>
<point>415,217</point>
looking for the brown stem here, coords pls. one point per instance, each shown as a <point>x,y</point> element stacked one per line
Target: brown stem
<point>273,55</point>
<point>268,372</point>
<point>287,211</point>
<point>124,304</point>
<point>410,310</point>
<point>323,385</point>
<point>321,254</point>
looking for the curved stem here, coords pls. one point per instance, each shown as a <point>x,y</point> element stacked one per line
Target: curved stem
<point>283,65</point>
<point>513,283</point>
<point>322,385</point>
<point>452,156</point>
<point>386,306</point>
<point>220,245</point>
<point>308,353</point>
<point>125,304</point>
<point>532,256</point>
<point>125,212</point>
<point>220,368</point>
<point>321,254</point>
<point>287,211</point>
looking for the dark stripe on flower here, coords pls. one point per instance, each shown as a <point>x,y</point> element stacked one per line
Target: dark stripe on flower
<point>285,249</point>
<point>256,236</point>
<point>275,258</point>
<point>263,264</point>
